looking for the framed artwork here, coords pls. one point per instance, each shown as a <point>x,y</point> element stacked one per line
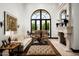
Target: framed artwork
<point>10,22</point>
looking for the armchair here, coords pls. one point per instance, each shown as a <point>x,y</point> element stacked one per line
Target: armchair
<point>40,35</point>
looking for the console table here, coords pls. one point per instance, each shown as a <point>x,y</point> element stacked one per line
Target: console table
<point>10,47</point>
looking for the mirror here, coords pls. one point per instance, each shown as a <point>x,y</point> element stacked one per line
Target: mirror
<point>63,17</point>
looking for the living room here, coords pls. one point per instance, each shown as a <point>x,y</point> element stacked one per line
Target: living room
<point>60,34</point>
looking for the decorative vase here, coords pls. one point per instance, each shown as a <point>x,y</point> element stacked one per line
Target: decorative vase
<point>9,40</point>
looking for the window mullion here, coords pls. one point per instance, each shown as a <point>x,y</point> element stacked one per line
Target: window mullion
<point>40,19</point>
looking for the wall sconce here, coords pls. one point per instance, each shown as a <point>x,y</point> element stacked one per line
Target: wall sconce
<point>1,24</point>
<point>57,24</point>
<point>65,22</point>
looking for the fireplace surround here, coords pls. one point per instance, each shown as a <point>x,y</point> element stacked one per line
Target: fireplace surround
<point>62,38</point>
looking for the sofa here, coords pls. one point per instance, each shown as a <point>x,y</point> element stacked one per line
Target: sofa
<point>24,40</point>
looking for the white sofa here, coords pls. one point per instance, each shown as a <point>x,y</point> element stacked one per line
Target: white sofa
<point>24,40</point>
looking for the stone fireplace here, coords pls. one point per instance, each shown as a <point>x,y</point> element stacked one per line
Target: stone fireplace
<point>64,32</point>
<point>65,36</point>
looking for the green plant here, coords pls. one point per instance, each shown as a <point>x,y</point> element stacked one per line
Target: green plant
<point>47,26</point>
<point>44,26</point>
<point>33,26</point>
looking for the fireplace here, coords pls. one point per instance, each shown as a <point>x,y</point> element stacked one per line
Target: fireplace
<point>62,38</point>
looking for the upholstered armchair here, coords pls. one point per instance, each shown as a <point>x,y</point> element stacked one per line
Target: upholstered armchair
<point>44,35</point>
<point>36,35</point>
<point>40,35</point>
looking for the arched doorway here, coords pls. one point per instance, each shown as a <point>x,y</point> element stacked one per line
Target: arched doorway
<point>41,20</point>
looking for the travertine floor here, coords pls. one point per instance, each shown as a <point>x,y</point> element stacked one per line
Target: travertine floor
<point>62,49</point>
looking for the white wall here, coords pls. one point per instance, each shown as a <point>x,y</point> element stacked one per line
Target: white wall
<point>31,7</point>
<point>75,21</point>
<point>14,9</point>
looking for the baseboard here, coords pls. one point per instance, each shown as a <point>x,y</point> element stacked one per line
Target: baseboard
<point>77,51</point>
<point>53,37</point>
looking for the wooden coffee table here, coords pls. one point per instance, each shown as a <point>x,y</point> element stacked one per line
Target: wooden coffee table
<point>10,47</point>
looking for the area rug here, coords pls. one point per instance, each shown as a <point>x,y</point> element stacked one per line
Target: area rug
<point>42,50</point>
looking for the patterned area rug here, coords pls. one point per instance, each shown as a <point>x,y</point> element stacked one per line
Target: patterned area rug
<point>41,50</point>
<point>46,49</point>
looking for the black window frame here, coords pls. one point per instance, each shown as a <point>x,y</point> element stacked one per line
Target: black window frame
<point>41,20</point>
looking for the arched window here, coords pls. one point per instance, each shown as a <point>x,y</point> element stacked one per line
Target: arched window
<point>43,15</point>
<point>41,20</point>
